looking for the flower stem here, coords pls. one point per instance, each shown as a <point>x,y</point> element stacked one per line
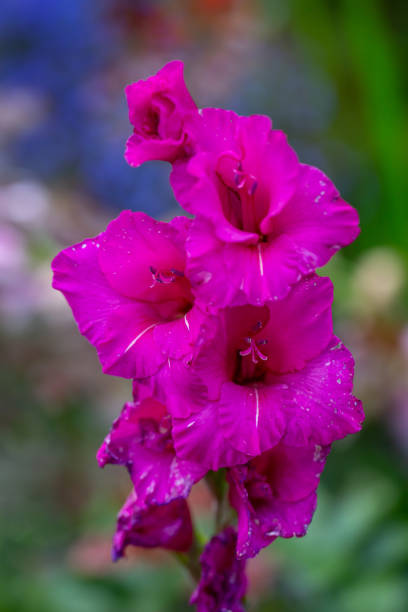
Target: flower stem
<point>191,559</point>
<point>217,483</point>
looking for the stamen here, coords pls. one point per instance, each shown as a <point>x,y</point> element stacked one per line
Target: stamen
<point>239,176</point>
<point>252,188</point>
<point>253,350</point>
<point>242,179</point>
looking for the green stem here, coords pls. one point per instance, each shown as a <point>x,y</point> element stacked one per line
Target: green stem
<point>191,559</point>
<point>217,483</point>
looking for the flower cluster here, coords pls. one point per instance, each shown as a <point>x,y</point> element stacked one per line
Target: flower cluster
<point>225,329</point>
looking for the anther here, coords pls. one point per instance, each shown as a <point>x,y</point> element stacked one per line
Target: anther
<point>242,179</point>
<point>253,186</point>
<point>164,277</point>
<point>177,272</point>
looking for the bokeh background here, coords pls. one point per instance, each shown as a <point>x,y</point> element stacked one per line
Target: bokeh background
<point>331,74</point>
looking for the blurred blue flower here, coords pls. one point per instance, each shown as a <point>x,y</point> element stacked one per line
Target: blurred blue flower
<point>60,50</point>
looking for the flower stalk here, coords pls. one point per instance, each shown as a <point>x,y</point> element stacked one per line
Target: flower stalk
<point>226,332</point>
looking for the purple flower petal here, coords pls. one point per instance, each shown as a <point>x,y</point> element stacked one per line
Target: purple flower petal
<point>312,406</point>
<point>318,401</point>
<point>223,581</point>
<point>316,219</point>
<point>158,107</point>
<point>165,526</point>
<point>275,495</point>
<point>200,439</point>
<point>119,328</point>
<point>299,326</point>
<point>242,172</point>
<point>132,247</point>
<point>129,294</point>
<point>141,440</point>
<point>263,217</point>
<point>269,372</point>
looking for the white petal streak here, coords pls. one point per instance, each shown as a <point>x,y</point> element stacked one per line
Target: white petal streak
<point>261,267</point>
<point>142,333</point>
<point>256,407</point>
<point>186,322</point>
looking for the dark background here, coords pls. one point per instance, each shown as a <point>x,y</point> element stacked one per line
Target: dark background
<point>331,74</point>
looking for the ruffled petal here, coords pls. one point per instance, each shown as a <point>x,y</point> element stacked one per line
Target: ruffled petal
<point>183,392</point>
<point>252,535</point>
<point>249,418</point>
<point>129,294</point>
<point>189,385</point>
<point>196,182</point>
<point>168,81</point>
<point>216,130</point>
<point>120,328</point>
<point>275,495</point>
<point>200,191</point>
<point>273,163</point>
<point>158,108</point>
<point>317,401</point>
<point>140,439</point>
<point>133,249</point>
<point>199,438</point>
<point>219,272</point>
<point>223,581</point>
<point>299,326</point>
<point>183,337</point>
<point>292,472</point>
<point>317,221</point>
<point>138,150</point>
<point>166,526</point>
<point>232,274</point>
<point>312,406</point>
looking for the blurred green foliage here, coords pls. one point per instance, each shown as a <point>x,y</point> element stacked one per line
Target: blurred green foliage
<point>358,43</point>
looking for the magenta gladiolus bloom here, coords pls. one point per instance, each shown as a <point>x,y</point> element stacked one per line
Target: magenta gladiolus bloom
<point>275,495</point>
<point>263,220</point>
<point>270,373</point>
<point>158,108</point>
<point>157,525</point>
<point>129,294</point>
<point>223,582</point>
